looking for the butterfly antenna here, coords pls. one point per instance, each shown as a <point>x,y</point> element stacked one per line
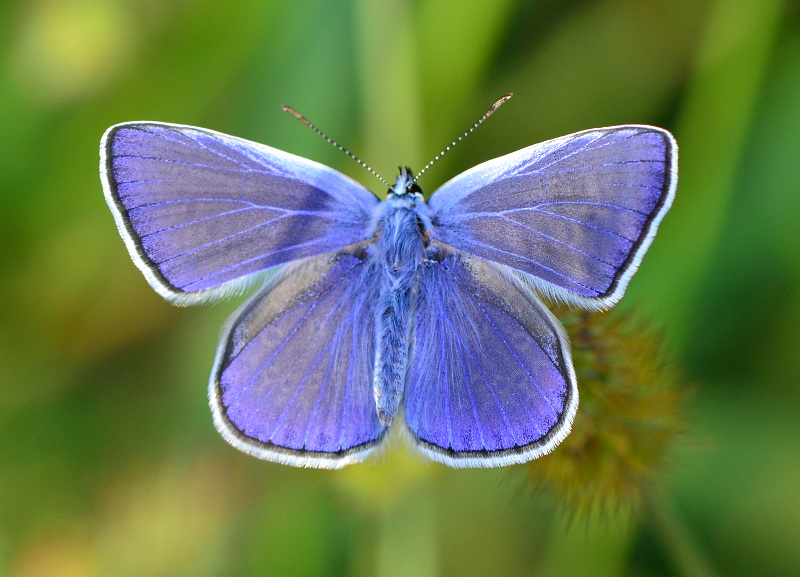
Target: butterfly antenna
<point>305,121</point>
<point>489,112</point>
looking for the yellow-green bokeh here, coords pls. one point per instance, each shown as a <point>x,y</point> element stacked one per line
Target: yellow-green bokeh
<point>109,462</point>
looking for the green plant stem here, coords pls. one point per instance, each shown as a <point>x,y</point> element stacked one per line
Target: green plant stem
<point>390,93</point>
<point>680,547</point>
<point>406,542</point>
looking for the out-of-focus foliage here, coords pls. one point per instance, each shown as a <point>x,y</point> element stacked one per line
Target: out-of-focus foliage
<point>109,463</point>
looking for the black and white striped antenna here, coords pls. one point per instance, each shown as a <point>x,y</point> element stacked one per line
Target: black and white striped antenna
<point>305,121</point>
<point>489,112</point>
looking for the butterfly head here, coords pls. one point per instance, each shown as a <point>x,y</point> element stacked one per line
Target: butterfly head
<point>405,185</point>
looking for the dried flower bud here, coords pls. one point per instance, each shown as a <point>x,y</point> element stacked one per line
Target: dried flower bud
<point>631,409</point>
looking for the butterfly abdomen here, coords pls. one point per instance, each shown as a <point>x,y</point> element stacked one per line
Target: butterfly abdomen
<point>401,252</point>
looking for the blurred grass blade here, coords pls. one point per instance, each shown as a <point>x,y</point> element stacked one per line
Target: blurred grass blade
<point>391,107</point>
<point>455,60</point>
<point>711,131</point>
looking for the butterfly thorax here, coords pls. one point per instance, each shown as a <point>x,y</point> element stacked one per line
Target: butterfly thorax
<point>401,253</point>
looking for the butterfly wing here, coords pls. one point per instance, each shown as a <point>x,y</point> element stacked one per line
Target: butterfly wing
<point>200,210</point>
<point>575,214</point>
<point>490,379</point>
<point>292,381</point>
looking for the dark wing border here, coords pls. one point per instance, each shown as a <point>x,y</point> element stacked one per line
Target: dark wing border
<point>631,265</point>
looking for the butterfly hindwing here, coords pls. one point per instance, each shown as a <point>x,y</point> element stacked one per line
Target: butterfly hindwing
<point>200,210</point>
<point>490,380</point>
<point>576,213</point>
<point>292,382</point>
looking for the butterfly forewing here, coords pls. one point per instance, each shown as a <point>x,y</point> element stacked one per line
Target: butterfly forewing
<point>490,382</point>
<point>576,213</point>
<point>199,209</point>
<point>293,377</point>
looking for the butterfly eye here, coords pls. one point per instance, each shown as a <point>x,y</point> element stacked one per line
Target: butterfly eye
<point>414,188</point>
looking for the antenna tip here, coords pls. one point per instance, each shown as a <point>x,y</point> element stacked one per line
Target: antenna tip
<point>502,101</point>
<point>297,115</point>
<point>291,111</point>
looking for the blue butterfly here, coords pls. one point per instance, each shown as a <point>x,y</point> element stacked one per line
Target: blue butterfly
<point>370,311</point>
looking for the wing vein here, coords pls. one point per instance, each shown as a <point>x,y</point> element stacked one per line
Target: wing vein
<point>314,303</point>
<point>569,246</point>
<point>173,161</point>
<point>594,226</point>
<point>573,153</point>
<point>305,378</point>
<point>347,383</point>
<point>592,167</point>
<point>535,207</point>
<point>164,135</point>
<point>216,152</point>
<point>319,400</point>
<point>486,379</point>
<point>469,390</point>
<point>533,262</point>
<point>203,219</point>
<point>252,259</point>
<point>499,335</point>
<point>446,392</point>
<point>223,239</point>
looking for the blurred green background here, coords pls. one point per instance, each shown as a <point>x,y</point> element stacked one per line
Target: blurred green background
<point>109,462</point>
